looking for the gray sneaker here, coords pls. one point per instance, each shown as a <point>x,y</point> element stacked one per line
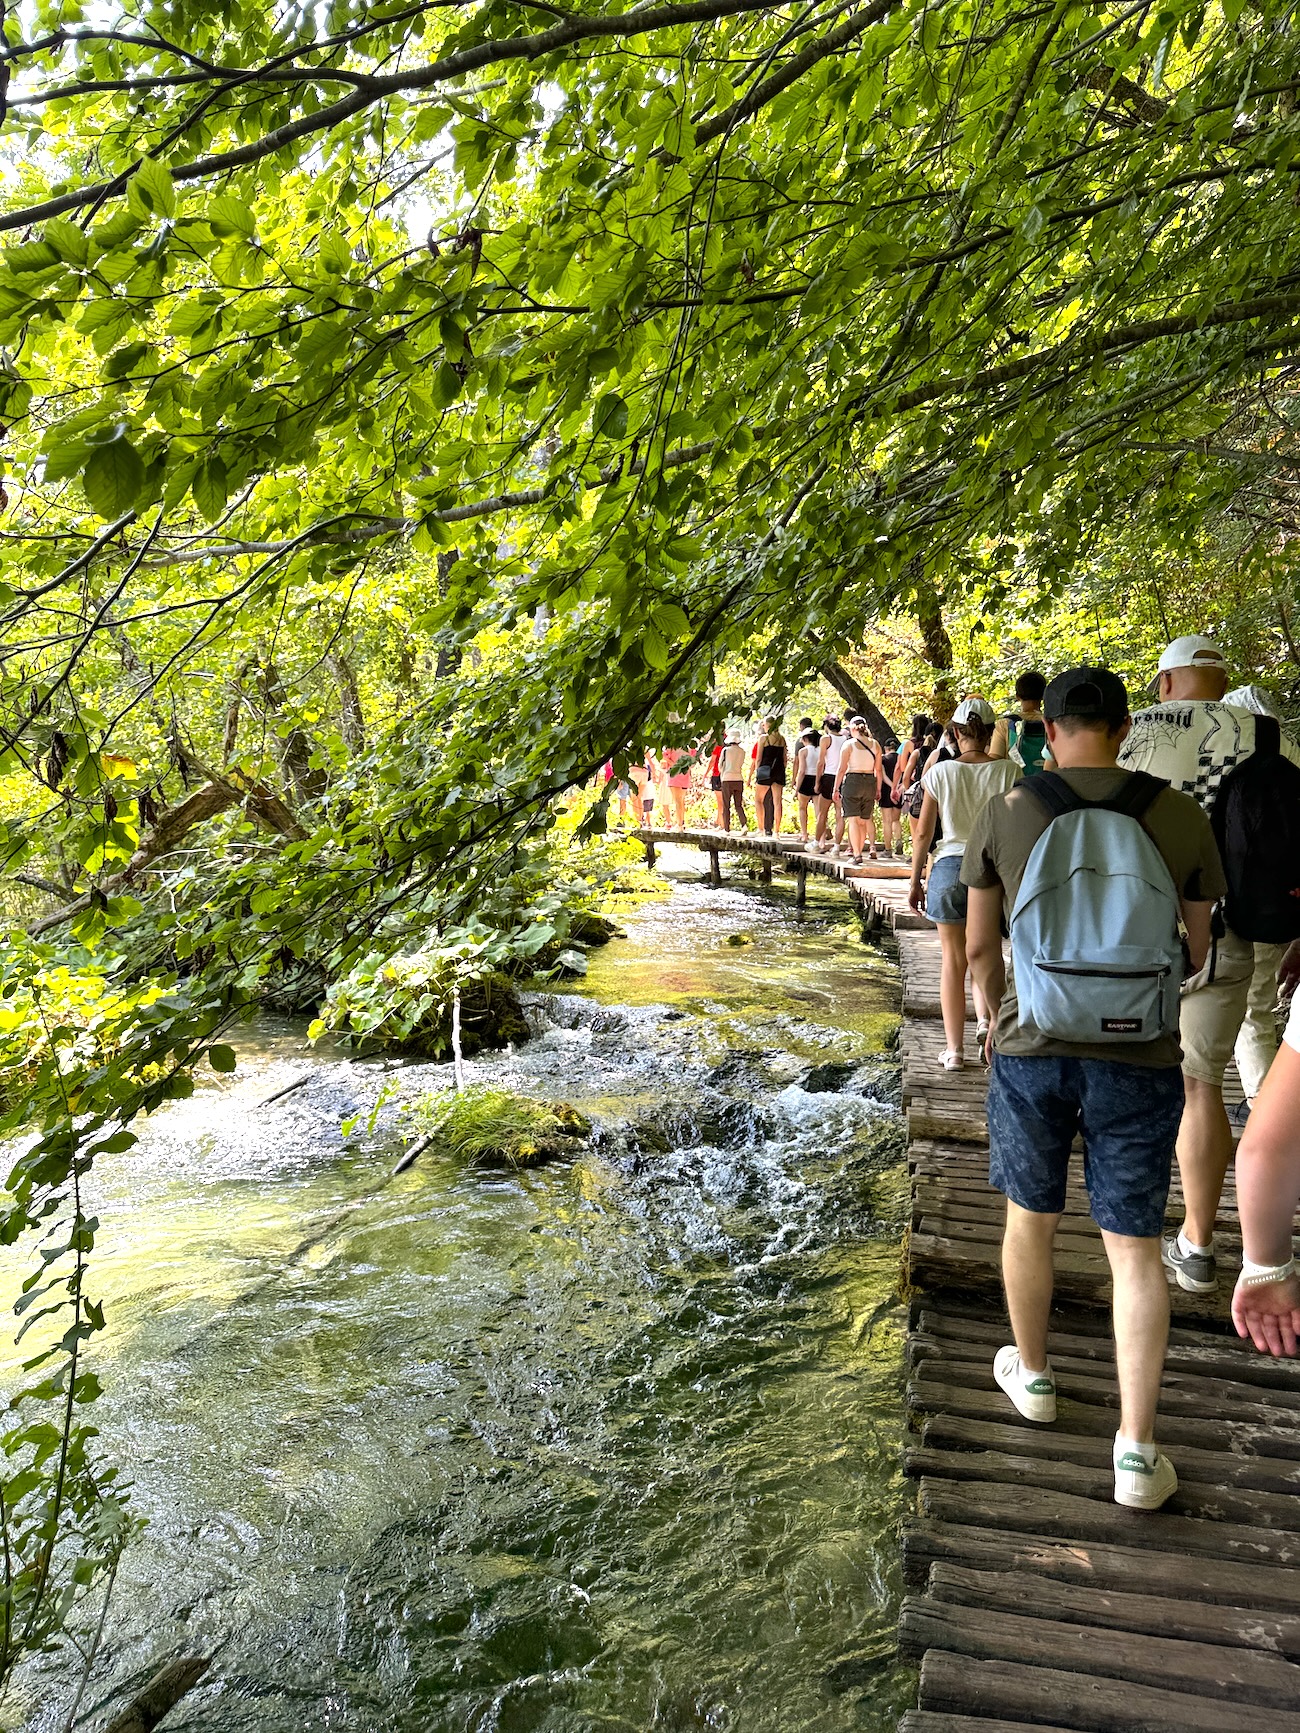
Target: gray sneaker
<point>1196,1272</point>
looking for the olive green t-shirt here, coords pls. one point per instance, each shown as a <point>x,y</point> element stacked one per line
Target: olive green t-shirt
<point>998,852</point>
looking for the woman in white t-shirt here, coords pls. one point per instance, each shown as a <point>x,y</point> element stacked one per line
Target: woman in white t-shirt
<point>956,791</point>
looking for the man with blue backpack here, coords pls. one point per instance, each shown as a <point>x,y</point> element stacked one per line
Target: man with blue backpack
<point>1107,880</point>
<point>1245,775</point>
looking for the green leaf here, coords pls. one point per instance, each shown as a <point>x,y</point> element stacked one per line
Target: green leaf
<point>447,385</point>
<point>671,620</point>
<point>335,255</point>
<point>125,360</point>
<point>222,1058</point>
<point>30,256</point>
<point>211,487</point>
<point>231,216</point>
<point>68,241</point>
<point>150,192</point>
<point>610,418</point>
<point>653,647</point>
<point>113,477</point>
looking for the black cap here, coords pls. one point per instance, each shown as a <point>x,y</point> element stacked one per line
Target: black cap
<point>1091,694</point>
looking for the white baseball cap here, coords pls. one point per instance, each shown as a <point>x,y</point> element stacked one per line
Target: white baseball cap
<point>1192,651</point>
<point>974,710</point>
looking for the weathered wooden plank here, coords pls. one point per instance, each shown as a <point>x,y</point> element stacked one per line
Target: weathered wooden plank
<point>1033,1511</point>
<point>928,1721</point>
<point>1242,1676</point>
<point>1216,1382</point>
<point>1216,1467</point>
<point>1181,1393</point>
<point>1096,1421</point>
<point>1244,1507</point>
<point>954,1681</point>
<point>1221,1355</point>
<point>1158,1615</point>
<point>1145,1566</point>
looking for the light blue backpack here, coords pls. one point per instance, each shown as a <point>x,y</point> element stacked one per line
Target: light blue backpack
<point>1094,932</point>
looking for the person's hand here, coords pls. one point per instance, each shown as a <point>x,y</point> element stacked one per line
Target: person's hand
<point>988,1042</point>
<point>1269,1314</point>
<point>916,897</point>
<point>1288,974</point>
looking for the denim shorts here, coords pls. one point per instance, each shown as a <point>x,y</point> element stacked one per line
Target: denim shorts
<point>1127,1116</point>
<point>945,894</point>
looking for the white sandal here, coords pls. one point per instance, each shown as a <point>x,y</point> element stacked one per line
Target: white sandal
<point>952,1060</point>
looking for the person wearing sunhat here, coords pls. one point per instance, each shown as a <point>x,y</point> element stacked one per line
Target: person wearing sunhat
<point>732,770</point>
<point>1085,1037</point>
<point>1194,740</point>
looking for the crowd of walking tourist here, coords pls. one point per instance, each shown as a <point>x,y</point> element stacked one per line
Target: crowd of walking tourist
<point>1144,864</point>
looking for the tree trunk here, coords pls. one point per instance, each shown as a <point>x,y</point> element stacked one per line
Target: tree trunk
<point>936,644</point>
<point>352,719</point>
<point>447,657</point>
<point>837,675</point>
<point>234,701</point>
<point>308,780</point>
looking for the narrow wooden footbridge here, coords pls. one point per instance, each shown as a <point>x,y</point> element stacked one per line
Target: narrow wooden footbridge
<point>1035,1601</point>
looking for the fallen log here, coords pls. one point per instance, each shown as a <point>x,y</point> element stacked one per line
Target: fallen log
<point>162,1693</point>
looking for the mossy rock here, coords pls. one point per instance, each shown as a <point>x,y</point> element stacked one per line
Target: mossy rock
<point>588,929</point>
<point>493,1128</point>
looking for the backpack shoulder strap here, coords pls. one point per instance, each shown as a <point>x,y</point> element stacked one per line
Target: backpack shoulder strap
<point>1133,799</point>
<point>1053,792</point>
<point>1268,736</point>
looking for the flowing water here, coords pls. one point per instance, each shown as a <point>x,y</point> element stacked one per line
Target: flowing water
<point>610,1444</point>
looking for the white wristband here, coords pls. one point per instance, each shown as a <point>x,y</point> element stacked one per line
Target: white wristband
<point>1259,1275</point>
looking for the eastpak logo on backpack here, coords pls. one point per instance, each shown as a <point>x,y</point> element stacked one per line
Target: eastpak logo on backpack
<point>1256,819</point>
<point>1095,947</point>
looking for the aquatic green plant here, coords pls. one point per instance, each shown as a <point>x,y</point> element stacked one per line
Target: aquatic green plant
<point>489,1126</point>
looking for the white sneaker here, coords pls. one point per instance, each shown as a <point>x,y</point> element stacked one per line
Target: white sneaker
<point>1143,1485</point>
<point>982,1029</point>
<point>952,1060</point>
<point>1034,1395</point>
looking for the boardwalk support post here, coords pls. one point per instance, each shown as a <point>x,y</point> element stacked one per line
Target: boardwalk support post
<point>765,877</point>
<point>715,867</point>
<point>649,852</point>
<point>801,883</point>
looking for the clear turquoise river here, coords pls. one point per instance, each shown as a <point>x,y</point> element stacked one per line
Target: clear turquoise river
<point>611,1444</point>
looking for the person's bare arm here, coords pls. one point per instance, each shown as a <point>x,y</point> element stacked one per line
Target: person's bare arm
<point>998,745</point>
<point>1268,1191</point>
<point>984,950</point>
<point>1196,918</point>
<point>922,835</point>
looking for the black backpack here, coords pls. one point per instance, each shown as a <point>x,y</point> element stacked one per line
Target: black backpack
<point>1256,821</point>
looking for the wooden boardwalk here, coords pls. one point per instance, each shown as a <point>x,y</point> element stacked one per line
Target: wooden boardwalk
<point>1035,1600</point>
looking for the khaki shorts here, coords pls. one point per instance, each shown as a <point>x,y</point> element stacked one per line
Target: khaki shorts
<point>1212,1012</point>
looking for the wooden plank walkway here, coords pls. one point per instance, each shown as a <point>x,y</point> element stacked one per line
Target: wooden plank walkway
<point>1035,1600</point>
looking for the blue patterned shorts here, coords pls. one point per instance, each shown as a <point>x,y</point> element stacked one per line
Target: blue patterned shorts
<point>1127,1116</point>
